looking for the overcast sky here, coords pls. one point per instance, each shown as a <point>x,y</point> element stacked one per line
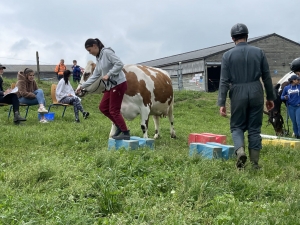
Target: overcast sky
<point>138,30</point>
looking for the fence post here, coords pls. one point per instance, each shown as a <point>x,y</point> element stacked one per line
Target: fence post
<point>38,65</point>
<point>179,75</point>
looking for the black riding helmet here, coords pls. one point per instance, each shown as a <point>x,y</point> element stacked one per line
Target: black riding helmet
<point>295,65</point>
<point>239,29</point>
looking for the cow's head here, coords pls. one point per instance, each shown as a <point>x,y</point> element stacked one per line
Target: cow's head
<point>88,71</point>
<point>275,117</point>
<point>277,122</point>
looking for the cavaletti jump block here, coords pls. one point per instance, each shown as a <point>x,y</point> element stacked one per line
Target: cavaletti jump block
<point>206,137</point>
<point>206,150</point>
<point>282,142</point>
<point>200,138</point>
<point>220,138</point>
<point>132,144</point>
<point>227,150</point>
<point>144,142</point>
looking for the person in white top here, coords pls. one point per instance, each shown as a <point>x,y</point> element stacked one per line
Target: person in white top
<point>65,94</point>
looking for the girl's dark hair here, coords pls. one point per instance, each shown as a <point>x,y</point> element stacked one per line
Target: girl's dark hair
<point>27,71</point>
<point>67,74</point>
<point>90,42</point>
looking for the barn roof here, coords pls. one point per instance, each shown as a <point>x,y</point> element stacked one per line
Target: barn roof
<point>43,68</point>
<point>202,53</point>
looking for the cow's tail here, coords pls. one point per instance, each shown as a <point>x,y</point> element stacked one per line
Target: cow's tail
<point>171,118</point>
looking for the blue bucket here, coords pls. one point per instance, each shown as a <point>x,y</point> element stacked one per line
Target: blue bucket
<point>48,116</point>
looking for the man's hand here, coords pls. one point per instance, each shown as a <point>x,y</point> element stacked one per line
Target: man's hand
<point>105,78</point>
<point>223,111</point>
<point>269,105</point>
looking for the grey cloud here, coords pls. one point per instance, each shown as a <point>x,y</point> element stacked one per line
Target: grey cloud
<point>142,30</point>
<point>21,45</point>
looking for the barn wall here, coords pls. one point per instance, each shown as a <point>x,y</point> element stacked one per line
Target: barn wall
<point>279,52</point>
<point>43,75</point>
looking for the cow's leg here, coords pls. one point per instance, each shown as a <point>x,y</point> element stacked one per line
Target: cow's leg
<point>112,130</point>
<point>156,125</point>
<point>144,121</point>
<point>144,127</point>
<point>171,119</point>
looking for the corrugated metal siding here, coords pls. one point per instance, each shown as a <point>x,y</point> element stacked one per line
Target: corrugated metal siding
<point>187,68</point>
<point>187,85</point>
<point>195,55</point>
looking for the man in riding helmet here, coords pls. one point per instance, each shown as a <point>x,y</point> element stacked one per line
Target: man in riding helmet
<point>241,70</point>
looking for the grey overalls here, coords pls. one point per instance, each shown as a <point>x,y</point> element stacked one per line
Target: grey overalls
<point>242,68</point>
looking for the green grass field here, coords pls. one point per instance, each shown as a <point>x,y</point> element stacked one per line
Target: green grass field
<point>62,172</point>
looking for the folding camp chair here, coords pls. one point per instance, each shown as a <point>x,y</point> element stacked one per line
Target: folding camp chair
<point>54,100</point>
<point>12,86</point>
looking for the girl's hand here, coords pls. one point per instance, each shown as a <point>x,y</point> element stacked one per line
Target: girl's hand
<point>105,78</point>
<point>7,91</point>
<point>78,89</point>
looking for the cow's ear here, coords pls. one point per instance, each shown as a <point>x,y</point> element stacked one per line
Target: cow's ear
<point>267,113</point>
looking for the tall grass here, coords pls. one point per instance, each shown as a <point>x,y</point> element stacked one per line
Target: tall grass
<point>62,172</point>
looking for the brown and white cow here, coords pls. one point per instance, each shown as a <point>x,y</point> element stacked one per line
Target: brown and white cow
<point>149,92</point>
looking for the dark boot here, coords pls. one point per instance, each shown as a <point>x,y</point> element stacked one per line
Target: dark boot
<point>241,158</point>
<point>85,115</point>
<point>124,136</point>
<point>18,117</point>
<point>118,131</point>
<point>254,158</point>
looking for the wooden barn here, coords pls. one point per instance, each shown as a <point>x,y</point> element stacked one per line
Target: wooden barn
<point>205,64</point>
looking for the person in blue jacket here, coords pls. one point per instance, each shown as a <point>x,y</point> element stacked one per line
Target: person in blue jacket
<point>76,72</point>
<point>291,93</point>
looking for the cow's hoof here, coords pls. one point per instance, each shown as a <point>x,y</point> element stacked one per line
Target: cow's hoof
<point>156,136</point>
<point>173,135</point>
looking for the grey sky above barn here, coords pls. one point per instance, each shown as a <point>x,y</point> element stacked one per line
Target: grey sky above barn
<point>137,30</point>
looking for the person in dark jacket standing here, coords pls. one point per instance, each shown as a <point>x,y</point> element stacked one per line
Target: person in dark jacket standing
<point>241,70</point>
<point>11,98</point>
<point>76,72</point>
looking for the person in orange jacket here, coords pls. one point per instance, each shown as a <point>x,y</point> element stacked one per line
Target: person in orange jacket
<point>59,69</point>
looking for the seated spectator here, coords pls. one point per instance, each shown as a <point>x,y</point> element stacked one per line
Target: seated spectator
<point>66,95</point>
<point>11,98</point>
<point>76,72</point>
<point>29,93</point>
